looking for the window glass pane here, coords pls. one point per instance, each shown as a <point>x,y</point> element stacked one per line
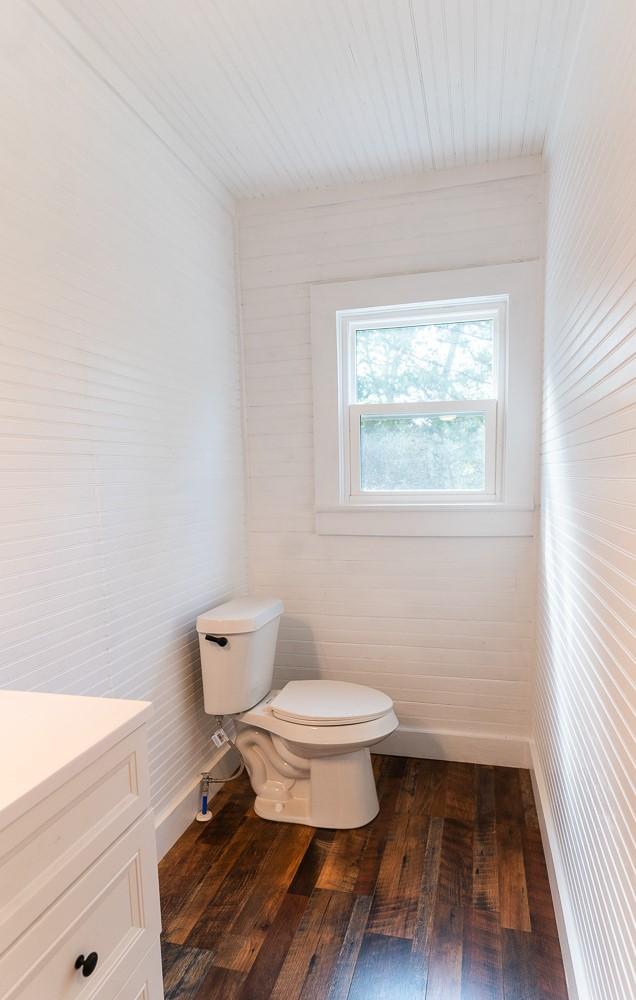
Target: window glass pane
<point>430,452</point>
<point>408,364</point>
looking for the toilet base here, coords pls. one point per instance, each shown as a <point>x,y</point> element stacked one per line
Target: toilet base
<point>331,791</point>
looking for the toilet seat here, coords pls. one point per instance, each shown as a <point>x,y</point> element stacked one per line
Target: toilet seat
<point>322,735</point>
<point>329,703</point>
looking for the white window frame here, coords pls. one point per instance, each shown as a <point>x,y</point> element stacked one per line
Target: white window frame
<point>506,511</point>
<point>349,322</point>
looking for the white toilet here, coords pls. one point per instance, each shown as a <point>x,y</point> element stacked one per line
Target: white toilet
<point>306,746</point>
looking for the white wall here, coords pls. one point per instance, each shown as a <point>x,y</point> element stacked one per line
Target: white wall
<point>121,510</point>
<point>444,625</point>
<point>585,734</point>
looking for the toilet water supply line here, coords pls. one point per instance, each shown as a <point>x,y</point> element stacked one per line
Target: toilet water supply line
<point>219,738</point>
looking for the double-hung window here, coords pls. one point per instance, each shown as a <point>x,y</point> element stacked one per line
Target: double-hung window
<point>426,400</point>
<point>422,390</point>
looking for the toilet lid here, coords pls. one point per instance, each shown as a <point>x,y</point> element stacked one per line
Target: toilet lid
<point>329,703</point>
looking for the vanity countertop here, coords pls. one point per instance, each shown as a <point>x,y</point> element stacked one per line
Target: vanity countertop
<point>45,739</point>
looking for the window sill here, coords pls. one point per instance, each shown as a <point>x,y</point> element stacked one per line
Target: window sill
<point>490,520</point>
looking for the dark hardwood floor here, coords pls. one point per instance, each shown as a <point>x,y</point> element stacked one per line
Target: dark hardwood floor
<point>444,896</point>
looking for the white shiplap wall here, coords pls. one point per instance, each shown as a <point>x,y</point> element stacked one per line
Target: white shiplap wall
<point>121,491</point>
<point>444,625</point>
<point>586,694</point>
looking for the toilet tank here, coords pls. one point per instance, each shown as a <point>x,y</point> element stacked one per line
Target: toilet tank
<point>237,641</point>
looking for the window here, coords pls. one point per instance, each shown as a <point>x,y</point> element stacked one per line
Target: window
<point>422,394</point>
<point>426,398</point>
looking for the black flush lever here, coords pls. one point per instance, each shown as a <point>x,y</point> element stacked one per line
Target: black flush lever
<point>220,640</point>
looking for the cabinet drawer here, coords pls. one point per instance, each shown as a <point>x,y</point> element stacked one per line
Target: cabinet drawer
<point>42,852</point>
<point>113,909</point>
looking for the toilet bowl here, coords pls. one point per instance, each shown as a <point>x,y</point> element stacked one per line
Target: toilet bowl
<point>306,748</point>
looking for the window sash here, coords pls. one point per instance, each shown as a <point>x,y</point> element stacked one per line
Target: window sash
<point>482,407</point>
<point>409,316</point>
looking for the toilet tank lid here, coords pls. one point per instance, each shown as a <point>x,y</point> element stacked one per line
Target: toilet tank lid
<point>243,614</point>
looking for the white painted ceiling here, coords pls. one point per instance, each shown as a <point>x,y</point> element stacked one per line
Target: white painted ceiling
<point>287,95</point>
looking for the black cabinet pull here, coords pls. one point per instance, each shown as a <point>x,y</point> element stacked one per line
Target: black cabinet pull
<point>88,964</point>
<point>220,640</point>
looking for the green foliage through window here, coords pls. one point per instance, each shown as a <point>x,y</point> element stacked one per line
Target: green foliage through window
<point>430,452</point>
<point>442,361</point>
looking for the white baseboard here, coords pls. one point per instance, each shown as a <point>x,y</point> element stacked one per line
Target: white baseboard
<point>564,911</point>
<point>176,817</point>
<point>474,748</point>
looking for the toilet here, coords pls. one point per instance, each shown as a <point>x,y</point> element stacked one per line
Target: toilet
<point>306,746</point>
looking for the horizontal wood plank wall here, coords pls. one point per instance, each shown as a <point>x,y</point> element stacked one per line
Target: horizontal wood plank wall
<point>120,448</point>
<point>585,732</point>
<point>444,625</point>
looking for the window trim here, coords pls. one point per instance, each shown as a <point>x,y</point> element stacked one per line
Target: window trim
<point>423,314</point>
<point>511,511</point>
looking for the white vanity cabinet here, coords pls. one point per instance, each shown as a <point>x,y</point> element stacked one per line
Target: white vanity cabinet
<point>79,896</point>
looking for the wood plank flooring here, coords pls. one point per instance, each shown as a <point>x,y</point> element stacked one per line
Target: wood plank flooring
<point>444,896</point>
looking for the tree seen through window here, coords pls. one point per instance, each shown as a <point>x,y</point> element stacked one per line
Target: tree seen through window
<point>409,364</point>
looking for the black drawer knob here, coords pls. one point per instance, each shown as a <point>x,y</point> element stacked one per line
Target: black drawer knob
<point>88,964</point>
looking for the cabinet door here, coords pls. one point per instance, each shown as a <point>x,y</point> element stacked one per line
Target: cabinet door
<point>109,918</point>
<point>146,981</point>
